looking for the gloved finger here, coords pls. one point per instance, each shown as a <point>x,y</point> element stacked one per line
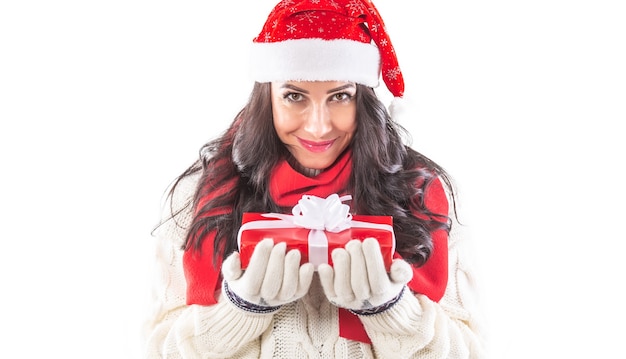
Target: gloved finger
<point>231,267</point>
<point>274,273</point>
<point>341,266</point>
<point>255,273</point>
<point>291,275</point>
<point>327,279</point>
<point>304,282</point>
<point>359,279</point>
<point>400,271</point>
<point>377,274</point>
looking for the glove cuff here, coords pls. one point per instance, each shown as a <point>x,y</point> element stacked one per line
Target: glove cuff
<point>244,304</point>
<point>381,308</point>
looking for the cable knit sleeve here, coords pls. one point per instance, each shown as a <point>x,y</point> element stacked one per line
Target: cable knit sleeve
<point>422,327</point>
<point>178,330</point>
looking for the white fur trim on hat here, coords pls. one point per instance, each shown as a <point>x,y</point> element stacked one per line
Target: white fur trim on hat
<point>315,60</point>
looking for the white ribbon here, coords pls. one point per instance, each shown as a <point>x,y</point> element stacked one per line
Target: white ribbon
<point>318,215</point>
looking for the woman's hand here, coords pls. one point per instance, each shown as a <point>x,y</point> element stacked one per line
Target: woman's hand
<point>358,280</point>
<point>273,277</point>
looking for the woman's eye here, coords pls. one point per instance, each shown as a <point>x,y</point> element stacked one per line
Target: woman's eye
<point>293,96</point>
<point>342,97</point>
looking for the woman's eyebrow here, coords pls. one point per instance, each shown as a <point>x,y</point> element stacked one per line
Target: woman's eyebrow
<point>340,88</point>
<point>295,88</point>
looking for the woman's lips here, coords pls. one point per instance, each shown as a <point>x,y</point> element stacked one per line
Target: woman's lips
<point>316,146</point>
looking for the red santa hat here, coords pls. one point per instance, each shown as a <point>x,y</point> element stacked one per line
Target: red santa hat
<point>326,40</point>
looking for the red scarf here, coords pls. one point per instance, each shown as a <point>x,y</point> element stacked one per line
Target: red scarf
<point>287,187</point>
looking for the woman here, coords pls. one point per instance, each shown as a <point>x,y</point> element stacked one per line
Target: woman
<point>312,126</point>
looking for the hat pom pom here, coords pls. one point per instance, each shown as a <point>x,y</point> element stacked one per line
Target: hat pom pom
<point>398,109</point>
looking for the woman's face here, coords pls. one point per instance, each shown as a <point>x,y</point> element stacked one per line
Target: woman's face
<point>315,120</point>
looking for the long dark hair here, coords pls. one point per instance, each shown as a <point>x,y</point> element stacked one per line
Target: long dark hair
<point>388,177</point>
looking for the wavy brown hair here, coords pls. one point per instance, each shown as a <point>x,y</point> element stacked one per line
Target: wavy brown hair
<point>388,177</point>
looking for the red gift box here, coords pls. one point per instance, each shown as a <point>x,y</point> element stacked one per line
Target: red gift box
<point>314,242</point>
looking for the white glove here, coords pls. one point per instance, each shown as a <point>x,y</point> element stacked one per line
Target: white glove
<point>358,280</point>
<point>272,278</point>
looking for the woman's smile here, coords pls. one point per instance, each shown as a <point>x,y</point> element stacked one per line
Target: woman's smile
<point>316,146</point>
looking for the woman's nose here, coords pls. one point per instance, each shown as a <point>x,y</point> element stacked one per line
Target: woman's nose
<point>318,121</point>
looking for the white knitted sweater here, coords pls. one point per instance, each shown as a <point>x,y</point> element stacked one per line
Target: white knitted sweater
<point>415,327</point>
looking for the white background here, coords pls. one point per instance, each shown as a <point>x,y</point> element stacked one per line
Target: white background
<point>103,103</point>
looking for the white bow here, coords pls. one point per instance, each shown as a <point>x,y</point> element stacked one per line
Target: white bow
<point>328,213</point>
